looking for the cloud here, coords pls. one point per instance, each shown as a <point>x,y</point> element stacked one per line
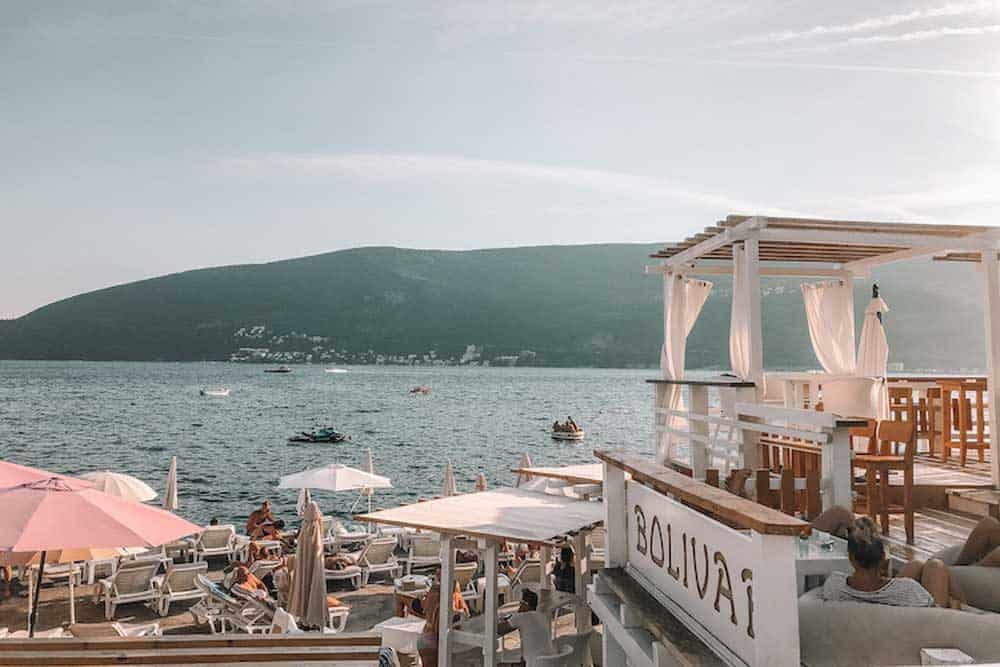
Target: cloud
<point>869,24</point>
<point>382,167</point>
<point>915,36</point>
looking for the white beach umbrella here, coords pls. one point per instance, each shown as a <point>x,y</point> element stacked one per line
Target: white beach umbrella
<point>525,463</point>
<point>480,482</point>
<point>170,492</point>
<point>307,599</point>
<point>450,488</point>
<point>120,485</point>
<point>334,477</point>
<point>371,471</point>
<point>873,352</point>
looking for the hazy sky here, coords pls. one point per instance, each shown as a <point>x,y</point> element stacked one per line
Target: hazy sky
<point>140,138</point>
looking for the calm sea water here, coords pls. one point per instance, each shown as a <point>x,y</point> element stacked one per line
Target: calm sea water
<point>74,417</point>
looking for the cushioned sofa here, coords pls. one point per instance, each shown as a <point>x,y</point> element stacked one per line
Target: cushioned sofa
<point>980,585</point>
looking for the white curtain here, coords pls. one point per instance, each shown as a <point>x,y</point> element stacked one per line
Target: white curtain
<point>830,314</point>
<point>873,355</point>
<point>683,300</point>
<point>739,320</point>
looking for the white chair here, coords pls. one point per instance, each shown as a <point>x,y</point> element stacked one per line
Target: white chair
<point>352,574</point>
<point>179,583</point>
<point>465,575</point>
<point>217,541</point>
<point>528,573</point>
<point>115,629</point>
<point>338,618</point>
<point>216,605</point>
<point>537,648</point>
<point>330,544</point>
<point>284,624</point>
<point>254,615</point>
<point>580,655</point>
<point>378,556</point>
<point>425,551</point>
<point>129,584</point>
<point>263,567</point>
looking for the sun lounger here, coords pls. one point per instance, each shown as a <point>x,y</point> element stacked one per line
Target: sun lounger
<point>346,537</point>
<point>233,610</point>
<point>264,566</point>
<point>352,574</point>
<point>338,618</point>
<point>128,585</point>
<point>179,584</point>
<point>465,574</point>
<point>217,541</point>
<point>425,551</point>
<point>255,615</point>
<point>377,556</point>
<point>102,630</point>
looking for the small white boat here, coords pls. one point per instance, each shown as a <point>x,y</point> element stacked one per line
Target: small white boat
<point>214,392</point>
<point>568,435</point>
<point>336,370</point>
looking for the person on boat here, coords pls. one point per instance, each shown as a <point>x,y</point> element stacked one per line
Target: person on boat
<point>259,516</point>
<point>556,426</point>
<point>571,425</point>
<point>867,553</point>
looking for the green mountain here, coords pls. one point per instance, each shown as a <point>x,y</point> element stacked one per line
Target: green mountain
<point>554,305</point>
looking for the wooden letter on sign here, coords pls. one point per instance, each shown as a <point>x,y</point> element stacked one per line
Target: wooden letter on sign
<point>724,611</point>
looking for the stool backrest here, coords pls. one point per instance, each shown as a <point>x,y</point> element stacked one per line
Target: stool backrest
<point>902,432</point>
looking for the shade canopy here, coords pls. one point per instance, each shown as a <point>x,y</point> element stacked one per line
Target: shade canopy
<point>62,513</point>
<point>334,477</point>
<point>120,485</point>
<point>502,514</point>
<point>579,473</point>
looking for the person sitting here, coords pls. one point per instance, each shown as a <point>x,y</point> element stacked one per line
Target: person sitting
<point>571,425</point>
<point>268,530</point>
<point>258,517</point>
<point>214,521</point>
<point>556,426</point>
<point>563,572</point>
<point>430,610</point>
<point>866,584</point>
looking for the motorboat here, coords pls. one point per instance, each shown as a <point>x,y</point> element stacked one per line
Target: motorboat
<point>279,369</point>
<point>221,391</point>
<point>420,391</point>
<point>320,435</point>
<point>568,435</point>
<point>335,370</point>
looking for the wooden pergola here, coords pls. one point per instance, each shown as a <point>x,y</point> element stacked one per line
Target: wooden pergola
<point>842,249</point>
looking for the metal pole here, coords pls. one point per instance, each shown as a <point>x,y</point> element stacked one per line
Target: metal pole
<point>33,618</point>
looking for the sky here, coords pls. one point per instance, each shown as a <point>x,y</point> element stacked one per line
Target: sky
<point>144,138</point>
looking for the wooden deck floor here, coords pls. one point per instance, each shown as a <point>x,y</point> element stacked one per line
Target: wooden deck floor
<point>933,530</point>
<point>932,471</point>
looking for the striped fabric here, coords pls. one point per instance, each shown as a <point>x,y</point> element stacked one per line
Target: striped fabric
<point>899,592</point>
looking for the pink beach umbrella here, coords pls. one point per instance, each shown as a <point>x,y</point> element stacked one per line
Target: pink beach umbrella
<point>64,513</point>
<point>14,474</point>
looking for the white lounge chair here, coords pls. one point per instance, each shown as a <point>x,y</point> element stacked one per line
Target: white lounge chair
<point>377,556</point>
<point>217,541</point>
<point>263,567</point>
<point>338,617</point>
<point>254,615</point>
<point>465,575</point>
<point>425,551</point>
<point>345,537</point>
<point>116,629</point>
<point>133,583</point>
<point>232,611</point>
<point>179,584</point>
<point>352,574</point>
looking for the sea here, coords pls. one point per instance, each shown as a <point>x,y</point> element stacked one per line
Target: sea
<point>129,417</point>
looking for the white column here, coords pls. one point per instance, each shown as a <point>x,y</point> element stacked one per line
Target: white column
<point>836,483</point>
<point>445,613</point>
<point>580,610</point>
<point>775,595</point>
<point>490,605</point>
<point>991,285</point>
<point>699,449</point>
<point>544,555</point>
<point>615,517</point>
<point>750,247</point>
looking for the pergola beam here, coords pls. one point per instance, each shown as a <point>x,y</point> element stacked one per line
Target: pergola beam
<point>737,233</point>
<point>771,271</point>
<point>983,241</point>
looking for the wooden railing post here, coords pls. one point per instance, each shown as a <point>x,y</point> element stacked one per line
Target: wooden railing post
<point>615,517</point>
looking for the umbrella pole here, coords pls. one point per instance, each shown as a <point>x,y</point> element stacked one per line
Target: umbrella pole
<point>72,601</point>
<point>33,618</point>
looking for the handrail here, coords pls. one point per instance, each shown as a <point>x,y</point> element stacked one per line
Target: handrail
<point>709,382</point>
<point>732,509</point>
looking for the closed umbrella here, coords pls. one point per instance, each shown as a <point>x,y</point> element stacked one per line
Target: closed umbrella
<point>450,489</point>
<point>307,600</point>
<point>480,482</point>
<point>523,477</point>
<point>120,485</point>
<point>303,501</point>
<point>170,491</point>
<point>873,351</point>
<point>63,513</point>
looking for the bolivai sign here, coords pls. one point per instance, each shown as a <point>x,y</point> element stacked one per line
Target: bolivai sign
<point>713,577</point>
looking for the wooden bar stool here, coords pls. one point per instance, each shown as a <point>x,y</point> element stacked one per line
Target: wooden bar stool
<point>963,422</point>
<point>879,462</point>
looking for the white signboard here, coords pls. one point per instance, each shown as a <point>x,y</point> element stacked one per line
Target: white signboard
<point>735,589</point>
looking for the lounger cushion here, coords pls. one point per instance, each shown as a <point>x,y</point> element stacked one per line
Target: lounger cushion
<point>350,571</point>
<point>980,585</point>
<point>860,633</point>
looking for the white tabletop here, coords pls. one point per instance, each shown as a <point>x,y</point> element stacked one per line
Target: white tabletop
<point>401,634</point>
